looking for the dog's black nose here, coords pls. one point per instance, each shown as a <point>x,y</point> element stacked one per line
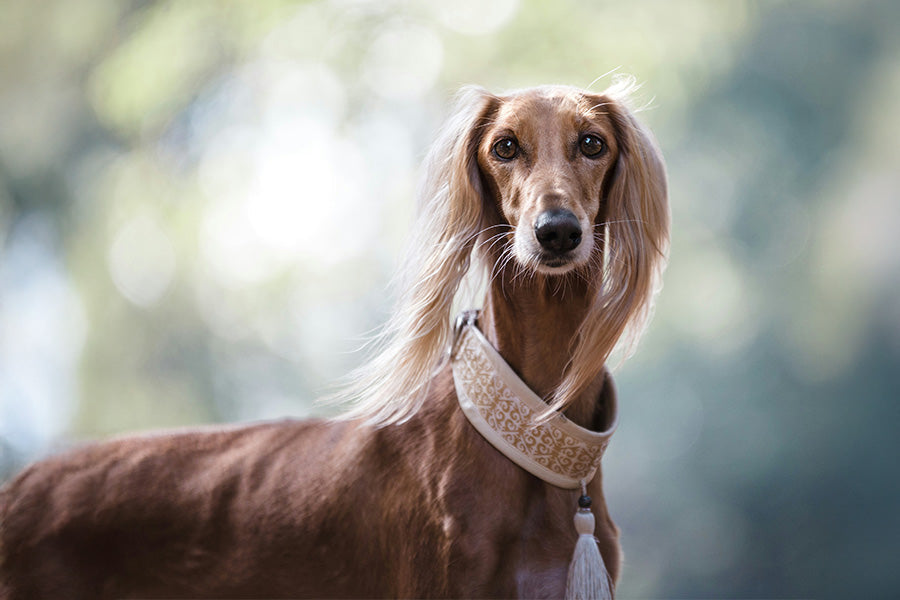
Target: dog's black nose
<point>557,230</point>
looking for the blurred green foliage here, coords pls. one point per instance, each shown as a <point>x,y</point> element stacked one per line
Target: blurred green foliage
<point>201,203</point>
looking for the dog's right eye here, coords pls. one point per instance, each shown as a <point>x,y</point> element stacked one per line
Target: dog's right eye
<point>506,149</point>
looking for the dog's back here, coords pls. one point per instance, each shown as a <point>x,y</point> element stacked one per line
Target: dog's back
<point>243,512</point>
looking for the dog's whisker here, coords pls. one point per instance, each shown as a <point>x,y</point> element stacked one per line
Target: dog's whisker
<point>499,238</point>
<point>631,221</point>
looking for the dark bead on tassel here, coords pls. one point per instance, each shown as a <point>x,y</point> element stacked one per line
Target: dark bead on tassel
<point>584,501</point>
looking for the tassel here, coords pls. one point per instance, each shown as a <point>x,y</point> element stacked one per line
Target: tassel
<point>588,579</point>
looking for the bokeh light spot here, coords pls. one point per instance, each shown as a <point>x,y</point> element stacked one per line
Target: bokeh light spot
<point>141,261</point>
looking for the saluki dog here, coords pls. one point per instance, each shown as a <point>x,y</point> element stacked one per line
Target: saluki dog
<point>552,202</point>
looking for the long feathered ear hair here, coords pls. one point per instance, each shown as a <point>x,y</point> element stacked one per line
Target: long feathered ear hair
<point>635,253</point>
<point>450,215</point>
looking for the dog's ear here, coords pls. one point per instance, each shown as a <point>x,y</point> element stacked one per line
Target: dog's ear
<point>451,195</point>
<point>635,252</point>
<point>450,216</point>
<point>637,199</point>
<point>638,225</point>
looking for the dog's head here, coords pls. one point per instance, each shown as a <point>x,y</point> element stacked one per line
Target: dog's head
<point>564,168</point>
<point>545,158</point>
<point>561,182</point>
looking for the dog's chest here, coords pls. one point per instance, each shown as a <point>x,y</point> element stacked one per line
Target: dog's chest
<point>541,580</point>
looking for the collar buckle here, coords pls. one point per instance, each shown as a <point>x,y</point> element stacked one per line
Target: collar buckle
<point>467,318</point>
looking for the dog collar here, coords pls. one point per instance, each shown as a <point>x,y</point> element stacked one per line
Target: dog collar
<point>506,411</point>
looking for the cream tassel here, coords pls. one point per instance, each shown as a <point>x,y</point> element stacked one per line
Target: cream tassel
<point>588,579</point>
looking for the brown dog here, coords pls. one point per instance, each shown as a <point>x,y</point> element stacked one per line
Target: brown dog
<point>561,197</point>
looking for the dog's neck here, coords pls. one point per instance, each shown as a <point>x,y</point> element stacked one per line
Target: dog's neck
<point>533,321</point>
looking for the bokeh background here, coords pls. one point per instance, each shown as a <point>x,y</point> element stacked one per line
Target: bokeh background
<point>201,204</point>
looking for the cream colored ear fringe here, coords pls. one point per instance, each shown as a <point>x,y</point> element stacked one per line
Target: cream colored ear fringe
<point>588,578</point>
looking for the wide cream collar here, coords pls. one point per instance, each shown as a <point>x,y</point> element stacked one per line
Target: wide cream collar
<point>505,411</point>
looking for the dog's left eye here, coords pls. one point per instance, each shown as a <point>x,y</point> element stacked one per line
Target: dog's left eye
<point>506,149</point>
<point>591,145</point>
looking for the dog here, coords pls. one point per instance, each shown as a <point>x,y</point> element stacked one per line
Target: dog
<point>552,199</point>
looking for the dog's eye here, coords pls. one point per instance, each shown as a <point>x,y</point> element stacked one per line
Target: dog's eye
<point>591,145</point>
<point>506,149</point>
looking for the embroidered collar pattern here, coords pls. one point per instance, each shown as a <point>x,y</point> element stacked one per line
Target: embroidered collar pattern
<point>505,411</point>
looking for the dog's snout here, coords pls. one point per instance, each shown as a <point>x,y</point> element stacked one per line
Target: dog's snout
<point>557,230</point>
